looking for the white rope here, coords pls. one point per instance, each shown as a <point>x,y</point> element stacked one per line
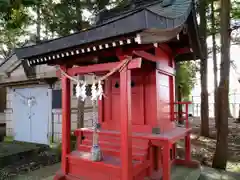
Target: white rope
<point>118,68</point>
<point>97,93</point>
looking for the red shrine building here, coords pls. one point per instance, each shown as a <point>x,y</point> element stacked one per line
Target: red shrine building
<point>132,53</point>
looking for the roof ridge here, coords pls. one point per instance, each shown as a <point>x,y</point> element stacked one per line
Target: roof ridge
<point>131,8</point>
<point>5,60</point>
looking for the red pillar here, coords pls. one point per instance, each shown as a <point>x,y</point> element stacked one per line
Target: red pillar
<point>166,162</point>
<point>66,126</point>
<point>126,134</point>
<point>187,139</point>
<point>188,147</point>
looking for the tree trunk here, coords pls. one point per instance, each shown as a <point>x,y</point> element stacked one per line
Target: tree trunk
<point>78,15</point>
<point>214,52</point>
<point>220,156</point>
<point>203,72</point>
<point>229,111</point>
<point>179,98</point>
<point>80,109</point>
<point>38,35</point>
<point>238,119</point>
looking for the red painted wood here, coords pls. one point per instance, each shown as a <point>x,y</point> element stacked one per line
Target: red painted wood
<point>114,152</point>
<point>187,123</point>
<point>138,116</point>
<point>166,162</point>
<point>188,147</point>
<point>170,136</point>
<point>109,168</point>
<point>66,122</point>
<point>125,109</point>
<point>100,109</point>
<point>107,105</point>
<point>138,145</point>
<point>135,63</point>
<point>127,115</point>
<point>111,145</point>
<point>185,50</point>
<point>160,56</point>
<point>172,96</point>
<point>166,48</point>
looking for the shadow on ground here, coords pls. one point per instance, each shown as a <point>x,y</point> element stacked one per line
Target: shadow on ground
<point>213,174</point>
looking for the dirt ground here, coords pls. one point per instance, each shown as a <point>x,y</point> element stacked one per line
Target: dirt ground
<point>203,148</point>
<point>45,173</point>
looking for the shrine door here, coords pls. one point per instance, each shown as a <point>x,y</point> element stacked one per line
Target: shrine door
<point>137,89</point>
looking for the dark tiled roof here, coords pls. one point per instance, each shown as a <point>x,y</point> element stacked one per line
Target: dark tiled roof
<point>152,14</point>
<point>164,8</point>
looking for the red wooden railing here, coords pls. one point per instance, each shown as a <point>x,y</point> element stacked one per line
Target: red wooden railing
<point>184,114</point>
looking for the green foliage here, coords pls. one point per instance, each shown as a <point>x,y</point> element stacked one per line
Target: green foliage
<point>186,77</point>
<point>14,18</point>
<point>8,139</point>
<point>235,12</point>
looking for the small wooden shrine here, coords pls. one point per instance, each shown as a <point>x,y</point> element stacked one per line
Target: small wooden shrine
<point>132,55</point>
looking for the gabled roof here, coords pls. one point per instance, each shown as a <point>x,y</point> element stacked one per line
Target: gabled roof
<point>165,18</point>
<point>11,63</point>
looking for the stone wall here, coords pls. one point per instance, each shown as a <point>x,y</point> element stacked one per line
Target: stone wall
<point>2,118</point>
<point>8,113</point>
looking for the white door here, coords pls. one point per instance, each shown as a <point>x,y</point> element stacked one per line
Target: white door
<point>33,105</point>
<point>21,120</point>
<point>40,117</point>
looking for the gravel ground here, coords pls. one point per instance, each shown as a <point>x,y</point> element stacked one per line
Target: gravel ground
<point>45,173</point>
<point>27,165</point>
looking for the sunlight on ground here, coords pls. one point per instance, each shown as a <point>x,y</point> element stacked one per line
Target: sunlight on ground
<point>203,148</point>
<point>213,175</point>
<point>233,167</point>
<point>193,136</point>
<point>204,139</point>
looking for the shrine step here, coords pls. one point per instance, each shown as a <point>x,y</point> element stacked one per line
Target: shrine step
<point>114,152</point>
<point>179,173</point>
